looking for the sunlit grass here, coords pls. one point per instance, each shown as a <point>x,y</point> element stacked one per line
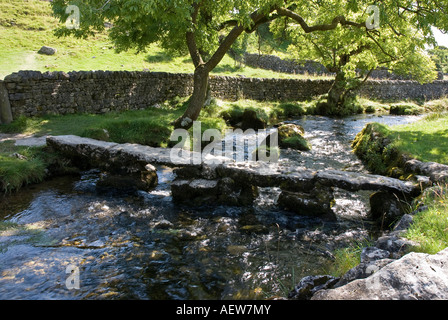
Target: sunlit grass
<point>430,227</point>
<point>25,26</point>
<point>426,139</point>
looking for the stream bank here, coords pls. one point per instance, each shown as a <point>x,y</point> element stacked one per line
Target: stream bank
<point>144,246</point>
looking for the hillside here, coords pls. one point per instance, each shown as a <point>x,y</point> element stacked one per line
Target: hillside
<point>26,26</point>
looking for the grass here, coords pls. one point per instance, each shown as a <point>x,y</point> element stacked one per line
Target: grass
<point>15,172</point>
<point>430,227</point>
<point>25,26</point>
<point>151,126</point>
<point>426,140</point>
<point>346,258</point>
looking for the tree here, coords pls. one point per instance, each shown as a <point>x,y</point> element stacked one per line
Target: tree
<point>206,28</point>
<point>395,41</point>
<point>440,56</point>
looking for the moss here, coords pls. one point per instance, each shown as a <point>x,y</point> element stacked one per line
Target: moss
<point>297,142</point>
<point>290,110</point>
<point>406,108</point>
<point>369,147</point>
<point>291,136</point>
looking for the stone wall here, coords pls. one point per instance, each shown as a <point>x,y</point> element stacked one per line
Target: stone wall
<point>32,93</point>
<point>274,63</point>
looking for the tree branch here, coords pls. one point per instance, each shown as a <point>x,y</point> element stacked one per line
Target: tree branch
<point>258,19</point>
<point>321,27</point>
<point>381,48</point>
<point>191,41</point>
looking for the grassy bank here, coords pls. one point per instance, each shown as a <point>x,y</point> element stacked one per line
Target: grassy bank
<point>25,26</point>
<point>20,166</point>
<point>430,227</point>
<point>381,147</point>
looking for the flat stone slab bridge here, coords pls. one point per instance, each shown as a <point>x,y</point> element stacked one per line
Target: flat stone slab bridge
<point>304,191</point>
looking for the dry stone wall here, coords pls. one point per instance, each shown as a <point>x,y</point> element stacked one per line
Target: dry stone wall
<point>274,63</point>
<point>32,93</point>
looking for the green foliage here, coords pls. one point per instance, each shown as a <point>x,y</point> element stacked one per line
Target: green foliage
<point>290,109</point>
<point>397,44</point>
<point>346,258</point>
<point>351,52</point>
<point>429,227</point>
<point>440,57</point>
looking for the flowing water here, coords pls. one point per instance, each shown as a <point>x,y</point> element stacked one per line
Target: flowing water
<point>143,246</point>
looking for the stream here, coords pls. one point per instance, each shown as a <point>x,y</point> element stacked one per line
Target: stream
<point>143,246</point>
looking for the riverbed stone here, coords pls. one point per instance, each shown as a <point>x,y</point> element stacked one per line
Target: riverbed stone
<point>307,205</point>
<point>310,285</point>
<point>196,191</point>
<point>250,120</point>
<point>386,208</point>
<point>415,276</point>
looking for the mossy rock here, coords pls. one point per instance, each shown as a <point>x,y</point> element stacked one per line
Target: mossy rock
<point>404,108</point>
<point>297,142</point>
<point>291,136</point>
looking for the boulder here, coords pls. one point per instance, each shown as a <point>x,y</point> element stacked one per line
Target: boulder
<point>362,271</point>
<point>386,208</point>
<point>415,276</point>
<point>49,51</point>
<point>291,135</point>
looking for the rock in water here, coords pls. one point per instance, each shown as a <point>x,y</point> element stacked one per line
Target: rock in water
<point>291,136</point>
<point>49,51</point>
<point>311,284</point>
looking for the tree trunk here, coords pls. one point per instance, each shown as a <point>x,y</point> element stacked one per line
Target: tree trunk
<point>197,100</point>
<point>337,95</point>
